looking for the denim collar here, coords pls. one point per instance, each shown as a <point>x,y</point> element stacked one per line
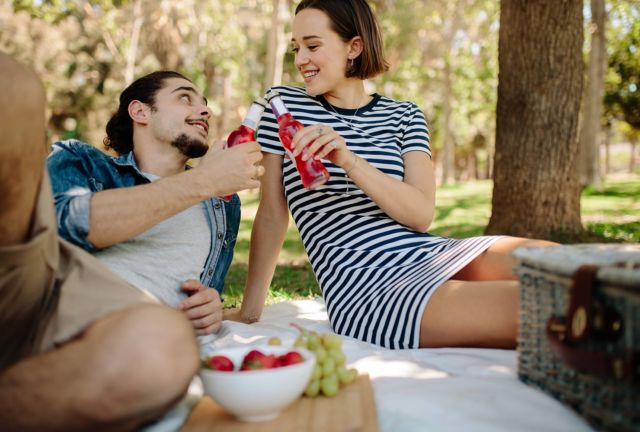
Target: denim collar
<point>128,159</point>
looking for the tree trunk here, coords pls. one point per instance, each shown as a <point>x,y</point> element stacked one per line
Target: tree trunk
<point>277,45</point>
<point>448,150</point>
<point>536,190</point>
<point>589,140</point>
<point>132,53</point>
<point>607,150</point>
<point>448,144</point>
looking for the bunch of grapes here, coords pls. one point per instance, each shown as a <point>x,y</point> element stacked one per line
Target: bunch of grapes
<point>330,370</point>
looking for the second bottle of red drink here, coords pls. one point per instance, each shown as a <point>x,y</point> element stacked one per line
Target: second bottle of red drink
<point>247,130</point>
<point>312,172</point>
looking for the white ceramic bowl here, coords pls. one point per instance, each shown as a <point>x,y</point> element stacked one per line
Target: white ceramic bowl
<point>257,395</point>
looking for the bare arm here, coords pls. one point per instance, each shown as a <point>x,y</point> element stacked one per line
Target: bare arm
<point>411,202</point>
<point>118,215</point>
<point>267,235</point>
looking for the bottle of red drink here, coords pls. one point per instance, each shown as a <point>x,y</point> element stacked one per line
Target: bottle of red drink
<point>312,172</point>
<point>247,130</point>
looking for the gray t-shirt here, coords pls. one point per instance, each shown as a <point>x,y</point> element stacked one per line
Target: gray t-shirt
<point>161,258</point>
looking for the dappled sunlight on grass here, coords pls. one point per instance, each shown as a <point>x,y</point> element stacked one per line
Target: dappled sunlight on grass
<point>462,210</point>
<point>289,282</point>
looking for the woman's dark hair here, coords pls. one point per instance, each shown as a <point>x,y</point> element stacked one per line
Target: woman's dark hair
<point>120,126</point>
<point>351,18</point>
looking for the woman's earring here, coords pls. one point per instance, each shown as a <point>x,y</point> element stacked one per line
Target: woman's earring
<point>351,66</point>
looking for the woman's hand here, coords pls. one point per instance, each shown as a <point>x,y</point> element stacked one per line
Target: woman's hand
<point>323,142</point>
<point>235,314</point>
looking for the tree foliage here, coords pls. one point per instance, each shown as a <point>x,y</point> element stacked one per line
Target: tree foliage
<point>622,97</point>
<point>443,56</point>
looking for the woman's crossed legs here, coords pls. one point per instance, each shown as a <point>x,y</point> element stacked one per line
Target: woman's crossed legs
<point>478,307</point>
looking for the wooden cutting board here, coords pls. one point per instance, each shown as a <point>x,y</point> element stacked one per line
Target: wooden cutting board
<point>353,409</point>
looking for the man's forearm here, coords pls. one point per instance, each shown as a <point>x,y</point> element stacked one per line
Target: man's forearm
<point>120,214</point>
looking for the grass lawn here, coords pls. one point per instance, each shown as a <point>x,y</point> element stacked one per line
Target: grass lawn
<point>463,210</point>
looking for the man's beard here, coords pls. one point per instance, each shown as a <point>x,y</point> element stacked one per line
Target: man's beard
<point>190,147</point>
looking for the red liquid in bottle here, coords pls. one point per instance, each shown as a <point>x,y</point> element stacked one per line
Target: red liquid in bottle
<point>312,172</point>
<point>246,132</point>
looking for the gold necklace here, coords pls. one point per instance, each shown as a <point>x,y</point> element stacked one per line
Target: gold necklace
<point>350,123</point>
<point>352,118</point>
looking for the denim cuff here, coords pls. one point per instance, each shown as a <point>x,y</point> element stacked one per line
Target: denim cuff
<point>75,227</point>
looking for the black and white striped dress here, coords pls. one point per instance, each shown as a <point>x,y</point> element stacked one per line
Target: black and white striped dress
<point>376,275</point>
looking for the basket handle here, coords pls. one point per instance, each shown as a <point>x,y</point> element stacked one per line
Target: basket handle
<point>588,318</point>
<point>592,362</point>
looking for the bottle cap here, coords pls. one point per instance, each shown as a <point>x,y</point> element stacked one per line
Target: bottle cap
<point>271,94</point>
<point>261,101</point>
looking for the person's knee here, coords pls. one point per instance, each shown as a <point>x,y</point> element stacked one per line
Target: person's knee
<point>22,146</point>
<point>144,360</point>
<point>22,109</point>
<point>164,341</point>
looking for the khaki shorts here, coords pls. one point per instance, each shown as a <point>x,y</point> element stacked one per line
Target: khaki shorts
<point>51,291</point>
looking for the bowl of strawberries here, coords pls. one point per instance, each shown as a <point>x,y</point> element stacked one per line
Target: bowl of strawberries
<point>256,383</point>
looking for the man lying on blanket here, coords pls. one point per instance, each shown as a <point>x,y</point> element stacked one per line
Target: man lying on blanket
<point>144,214</point>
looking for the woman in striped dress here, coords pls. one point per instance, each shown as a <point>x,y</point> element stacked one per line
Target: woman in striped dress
<point>384,278</point>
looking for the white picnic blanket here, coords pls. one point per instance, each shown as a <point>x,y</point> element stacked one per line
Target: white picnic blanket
<point>450,389</point>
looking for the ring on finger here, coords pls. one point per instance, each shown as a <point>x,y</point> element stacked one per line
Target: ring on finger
<point>320,131</point>
<point>333,144</point>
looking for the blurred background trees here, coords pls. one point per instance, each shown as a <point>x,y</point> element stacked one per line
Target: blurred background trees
<point>443,53</point>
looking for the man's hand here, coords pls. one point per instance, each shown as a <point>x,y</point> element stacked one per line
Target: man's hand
<point>203,307</point>
<point>231,170</point>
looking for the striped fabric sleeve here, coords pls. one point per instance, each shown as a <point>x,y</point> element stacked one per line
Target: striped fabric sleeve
<point>416,133</point>
<point>267,135</point>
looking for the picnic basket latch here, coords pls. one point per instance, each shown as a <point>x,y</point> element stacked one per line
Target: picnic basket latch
<point>586,318</point>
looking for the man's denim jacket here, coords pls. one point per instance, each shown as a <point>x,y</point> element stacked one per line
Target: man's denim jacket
<point>77,170</point>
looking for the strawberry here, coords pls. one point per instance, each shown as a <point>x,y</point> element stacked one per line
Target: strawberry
<point>253,360</point>
<point>220,363</point>
<point>291,358</point>
<point>253,355</point>
<point>257,360</point>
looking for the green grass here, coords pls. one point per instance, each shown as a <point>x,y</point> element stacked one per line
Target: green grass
<point>611,214</point>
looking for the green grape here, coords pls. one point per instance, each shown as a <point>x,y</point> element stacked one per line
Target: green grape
<point>353,374</point>
<point>330,371</point>
<point>338,356</point>
<point>331,340</point>
<point>300,342</point>
<point>328,367</point>
<point>343,375</point>
<point>313,341</point>
<point>274,341</point>
<point>317,372</point>
<point>313,388</point>
<point>321,354</point>
<point>329,385</point>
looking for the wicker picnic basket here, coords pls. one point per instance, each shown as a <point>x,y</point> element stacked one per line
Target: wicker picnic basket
<point>579,331</point>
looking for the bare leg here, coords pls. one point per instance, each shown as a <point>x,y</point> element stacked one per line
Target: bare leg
<point>479,305</point>
<point>126,369</point>
<point>471,314</point>
<point>22,148</point>
<point>496,263</point>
